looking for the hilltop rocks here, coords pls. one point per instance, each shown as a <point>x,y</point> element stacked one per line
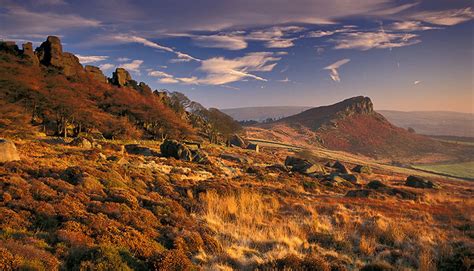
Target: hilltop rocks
<point>172,148</point>
<point>303,166</point>
<point>29,53</point>
<point>8,151</point>
<point>121,77</point>
<point>71,65</point>
<point>419,182</point>
<point>50,52</point>
<point>95,73</point>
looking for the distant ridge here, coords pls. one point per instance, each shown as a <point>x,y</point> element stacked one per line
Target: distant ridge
<point>261,113</point>
<point>351,125</point>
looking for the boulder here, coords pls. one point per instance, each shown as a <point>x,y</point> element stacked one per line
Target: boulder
<point>419,182</point>
<point>139,150</point>
<point>348,177</point>
<point>8,151</point>
<point>253,147</point>
<point>341,167</point>
<point>361,193</point>
<point>50,52</point>
<point>335,180</point>
<point>175,149</point>
<point>95,73</point>
<point>81,142</point>
<point>303,166</point>
<point>71,65</point>
<point>29,53</point>
<point>376,184</point>
<point>238,141</point>
<point>362,169</point>
<point>121,77</point>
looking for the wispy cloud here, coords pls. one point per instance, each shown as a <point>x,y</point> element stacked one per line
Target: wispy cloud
<point>416,82</point>
<point>17,20</point>
<point>410,26</point>
<point>286,80</point>
<point>374,40</point>
<point>221,71</point>
<point>276,37</point>
<point>334,74</point>
<point>445,17</point>
<point>123,59</point>
<point>91,59</point>
<point>221,41</point>
<point>135,39</point>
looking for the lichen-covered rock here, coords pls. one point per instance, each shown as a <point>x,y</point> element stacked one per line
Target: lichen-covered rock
<point>95,73</point>
<point>172,148</point>
<point>50,52</point>
<point>121,77</point>
<point>8,151</point>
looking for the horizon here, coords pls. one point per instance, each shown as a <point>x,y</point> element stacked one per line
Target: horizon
<point>405,55</point>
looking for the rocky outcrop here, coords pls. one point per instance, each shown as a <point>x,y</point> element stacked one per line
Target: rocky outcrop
<point>95,73</point>
<point>172,148</point>
<point>121,77</point>
<point>8,151</point>
<point>71,65</point>
<point>29,54</point>
<point>419,182</point>
<point>9,47</point>
<point>50,52</point>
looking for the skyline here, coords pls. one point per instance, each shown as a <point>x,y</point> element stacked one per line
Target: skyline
<point>404,55</point>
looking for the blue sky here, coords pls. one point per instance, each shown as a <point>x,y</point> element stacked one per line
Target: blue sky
<point>405,55</point>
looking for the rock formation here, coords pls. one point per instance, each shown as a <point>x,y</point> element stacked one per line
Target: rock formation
<point>29,53</point>
<point>8,151</point>
<point>50,52</point>
<point>71,65</point>
<point>95,73</point>
<point>121,77</point>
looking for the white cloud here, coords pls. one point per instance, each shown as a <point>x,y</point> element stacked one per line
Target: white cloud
<point>159,74</point>
<point>370,40</point>
<point>123,59</point>
<point>410,26</point>
<point>276,37</point>
<point>106,66</point>
<point>17,20</point>
<point>334,74</point>
<point>416,82</point>
<point>221,41</point>
<point>445,17</point>
<point>386,11</point>
<point>133,66</point>
<point>91,59</point>
<point>319,34</point>
<point>286,80</point>
<point>167,80</point>
<point>135,39</point>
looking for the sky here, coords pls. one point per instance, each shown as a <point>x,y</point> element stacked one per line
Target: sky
<point>409,55</point>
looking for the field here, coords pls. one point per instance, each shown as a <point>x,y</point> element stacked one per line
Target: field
<point>461,170</point>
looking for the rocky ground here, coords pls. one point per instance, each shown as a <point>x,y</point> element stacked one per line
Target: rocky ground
<point>113,205</point>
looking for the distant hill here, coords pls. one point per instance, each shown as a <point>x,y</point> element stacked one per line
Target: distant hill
<point>424,122</point>
<point>264,112</point>
<point>352,125</point>
<point>433,122</point>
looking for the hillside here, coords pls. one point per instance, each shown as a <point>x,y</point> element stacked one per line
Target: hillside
<point>352,125</point>
<point>47,90</point>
